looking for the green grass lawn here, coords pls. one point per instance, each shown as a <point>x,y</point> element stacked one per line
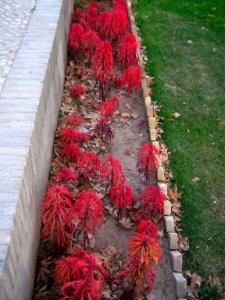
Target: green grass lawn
<point>185,43</point>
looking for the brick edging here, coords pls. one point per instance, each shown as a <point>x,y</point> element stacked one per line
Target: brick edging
<point>175,255</point>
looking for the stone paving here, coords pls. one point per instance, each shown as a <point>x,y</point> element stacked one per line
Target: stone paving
<point>14,18</point>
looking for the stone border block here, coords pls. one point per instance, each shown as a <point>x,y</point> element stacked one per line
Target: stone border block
<point>152,134</point>
<point>161,173</point>
<point>169,223</point>
<point>152,122</point>
<point>177,260</point>
<point>172,240</point>
<point>181,284</point>
<point>167,208</point>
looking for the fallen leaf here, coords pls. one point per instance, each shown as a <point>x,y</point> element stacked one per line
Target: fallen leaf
<point>175,115</point>
<point>126,223</point>
<point>128,105</point>
<point>173,194</point>
<point>125,115</point>
<point>134,116</point>
<point>183,243</point>
<point>214,280</point>
<point>116,113</point>
<point>196,281</point>
<point>195,179</point>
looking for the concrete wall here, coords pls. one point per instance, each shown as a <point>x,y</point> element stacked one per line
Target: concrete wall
<point>29,105</point>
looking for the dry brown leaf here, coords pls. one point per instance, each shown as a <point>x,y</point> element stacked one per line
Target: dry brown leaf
<point>183,243</point>
<point>195,179</point>
<point>196,281</point>
<point>128,105</point>
<point>173,194</point>
<point>134,116</point>
<point>126,223</point>
<point>125,115</point>
<point>175,115</point>
<point>116,113</point>
<point>214,280</point>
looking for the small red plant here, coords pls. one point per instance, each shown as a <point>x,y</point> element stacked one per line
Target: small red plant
<point>75,37</point>
<point>65,174</point>
<point>71,151</point>
<point>114,100</point>
<point>117,81</point>
<point>103,130</point>
<point>126,55</point>
<point>55,208</point>
<point>147,227</point>
<point>121,196</point>
<point>73,120</point>
<point>131,78</point>
<point>148,163</point>
<point>130,38</point>
<point>88,213</point>
<point>103,64</point>
<point>152,203</point>
<point>86,276</point>
<point>106,109</point>
<point>77,91</point>
<point>88,165</point>
<point>120,4</point>
<point>69,135</point>
<point>113,24</point>
<point>111,170</point>
<point>90,42</point>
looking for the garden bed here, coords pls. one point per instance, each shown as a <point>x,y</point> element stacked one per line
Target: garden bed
<point>94,130</point>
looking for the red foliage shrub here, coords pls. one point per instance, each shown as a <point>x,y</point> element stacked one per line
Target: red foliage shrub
<point>126,55</point>
<point>77,16</point>
<point>106,109</point>
<point>56,207</point>
<point>131,78</point>
<point>152,203</point>
<point>90,42</point>
<point>103,130</point>
<point>87,276</point>
<point>147,163</point>
<point>71,151</point>
<point>73,120</point>
<point>114,100</point>
<point>147,227</point>
<point>69,135</point>
<point>77,90</point>
<point>65,174</point>
<point>117,81</point>
<point>120,5</point>
<point>121,196</point>
<point>113,24</point>
<point>88,212</point>
<point>75,37</point>
<point>88,165</point>
<point>103,61</point>
<point>129,38</point>
<point>111,170</point>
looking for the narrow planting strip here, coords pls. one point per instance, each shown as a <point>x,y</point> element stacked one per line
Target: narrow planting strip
<point>175,254</point>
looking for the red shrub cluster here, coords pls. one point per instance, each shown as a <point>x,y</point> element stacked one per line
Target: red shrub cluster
<point>65,174</point>
<point>80,276</point>
<point>131,78</point>
<point>77,90</point>
<point>103,130</point>
<point>121,196</point>
<point>76,37</point>
<point>111,170</point>
<point>90,42</point>
<point>148,160</point>
<point>73,120</point>
<point>69,134</point>
<point>71,151</point>
<point>115,101</point>
<point>88,165</point>
<point>106,109</point>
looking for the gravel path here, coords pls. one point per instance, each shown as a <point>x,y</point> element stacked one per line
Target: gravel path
<point>14,18</point>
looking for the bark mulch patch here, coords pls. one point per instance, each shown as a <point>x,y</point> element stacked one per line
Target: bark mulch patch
<point>78,259</point>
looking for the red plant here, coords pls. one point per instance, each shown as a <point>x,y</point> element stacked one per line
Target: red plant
<point>71,151</point>
<point>75,37</point>
<point>114,100</point>
<point>152,203</point>
<point>77,90</point>
<point>126,55</point>
<point>65,174</point>
<point>87,276</point>
<point>113,24</point>
<point>120,4</point>
<point>103,130</point>
<point>88,213</point>
<point>73,120</point>
<point>148,163</point>
<point>117,81</point>
<point>147,227</point>
<point>55,208</point>
<point>131,78</point>
<point>88,165</point>
<point>111,170</point>
<point>90,42</point>
<point>121,196</point>
<point>106,109</point>
<point>69,135</point>
<point>103,64</point>
<point>130,38</point>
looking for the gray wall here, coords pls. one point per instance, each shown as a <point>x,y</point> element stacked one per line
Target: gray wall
<point>29,105</point>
